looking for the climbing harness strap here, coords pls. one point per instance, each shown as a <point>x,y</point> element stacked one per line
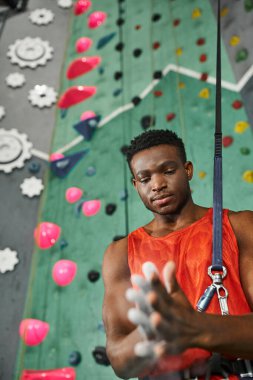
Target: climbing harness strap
<point>217,271</point>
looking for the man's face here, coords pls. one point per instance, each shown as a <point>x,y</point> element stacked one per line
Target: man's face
<point>162,179</point>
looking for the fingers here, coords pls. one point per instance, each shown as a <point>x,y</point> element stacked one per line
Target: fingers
<point>138,297</point>
<point>150,349</point>
<point>140,282</point>
<point>169,277</point>
<point>148,269</point>
<point>138,318</point>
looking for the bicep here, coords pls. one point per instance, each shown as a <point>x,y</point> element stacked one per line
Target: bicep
<point>116,277</point>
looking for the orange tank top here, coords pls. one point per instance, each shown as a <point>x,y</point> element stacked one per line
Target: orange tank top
<point>191,249</point>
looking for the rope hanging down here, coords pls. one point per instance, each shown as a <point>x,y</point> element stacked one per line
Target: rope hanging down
<point>217,271</point>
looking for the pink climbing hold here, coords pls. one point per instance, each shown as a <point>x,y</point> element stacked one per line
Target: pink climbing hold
<point>33,331</point>
<point>81,6</point>
<point>87,115</point>
<point>55,156</point>
<point>96,19</point>
<point>83,44</point>
<point>46,234</point>
<point>91,208</point>
<point>73,194</point>
<point>67,373</point>
<point>76,94</point>
<point>64,272</point>
<point>82,66</point>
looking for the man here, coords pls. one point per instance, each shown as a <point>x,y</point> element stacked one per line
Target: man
<point>179,242</point>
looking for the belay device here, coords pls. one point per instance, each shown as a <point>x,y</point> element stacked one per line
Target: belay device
<point>217,271</point>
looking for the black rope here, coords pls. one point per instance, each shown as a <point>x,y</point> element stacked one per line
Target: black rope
<point>217,184</point>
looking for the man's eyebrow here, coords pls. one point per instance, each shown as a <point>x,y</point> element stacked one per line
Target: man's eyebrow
<point>162,165</point>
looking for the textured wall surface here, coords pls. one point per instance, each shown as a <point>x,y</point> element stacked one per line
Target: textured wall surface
<point>157,71</point>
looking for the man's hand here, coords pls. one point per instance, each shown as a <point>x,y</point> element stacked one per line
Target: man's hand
<point>173,318</point>
<point>163,313</point>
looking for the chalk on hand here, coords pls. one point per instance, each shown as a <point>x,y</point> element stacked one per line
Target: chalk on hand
<point>138,296</point>
<point>141,283</point>
<point>148,268</point>
<point>145,349</point>
<point>137,317</point>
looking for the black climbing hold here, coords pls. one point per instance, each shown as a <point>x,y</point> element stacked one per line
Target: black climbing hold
<point>124,149</point>
<point>34,167</point>
<point>118,237</point>
<point>136,100</point>
<point>147,121</point>
<point>119,46</point>
<point>118,75</point>
<point>99,354</point>
<point>93,276</point>
<point>63,243</point>
<point>120,21</point>
<point>117,92</point>
<point>137,53</point>
<point>157,75</point>
<point>156,17</point>
<point>101,70</point>
<point>75,358</point>
<point>110,208</point>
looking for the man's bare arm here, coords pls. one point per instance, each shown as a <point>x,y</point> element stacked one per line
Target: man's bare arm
<point>121,334</point>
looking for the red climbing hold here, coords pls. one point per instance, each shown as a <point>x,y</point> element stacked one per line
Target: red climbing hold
<point>204,77</point>
<point>237,104</point>
<point>75,94</point>
<point>137,27</point>
<point>158,93</point>
<point>200,41</point>
<point>203,58</point>
<point>227,141</point>
<point>176,22</point>
<point>156,45</point>
<point>170,116</point>
<point>82,66</point>
<point>67,373</point>
<point>81,6</point>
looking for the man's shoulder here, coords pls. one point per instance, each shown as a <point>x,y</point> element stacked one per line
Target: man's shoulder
<point>242,222</point>
<point>115,263</point>
<point>244,216</point>
<point>117,246</point>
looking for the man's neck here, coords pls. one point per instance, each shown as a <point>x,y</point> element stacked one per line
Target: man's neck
<point>164,224</point>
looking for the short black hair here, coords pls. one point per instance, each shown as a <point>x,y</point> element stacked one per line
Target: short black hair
<point>152,138</point>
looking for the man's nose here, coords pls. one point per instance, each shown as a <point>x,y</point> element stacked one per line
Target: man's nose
<point>158,182</point>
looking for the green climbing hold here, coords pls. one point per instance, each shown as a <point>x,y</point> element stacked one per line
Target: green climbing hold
<point>248,5</point>
<point>244,150</point>
<point>242,55</point>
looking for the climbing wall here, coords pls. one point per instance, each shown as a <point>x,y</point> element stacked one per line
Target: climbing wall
<point>152,66</point>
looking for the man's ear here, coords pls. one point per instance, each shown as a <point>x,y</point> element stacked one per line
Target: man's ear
<point>189,169</point>
<point>134,182</point>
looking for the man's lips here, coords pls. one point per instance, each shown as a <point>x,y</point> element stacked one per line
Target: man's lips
<point>162,199</point>
<point>162,196</point>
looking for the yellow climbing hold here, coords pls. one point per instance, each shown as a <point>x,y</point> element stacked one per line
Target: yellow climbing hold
<point>196,13</point>
<point>224,11</point>
<point>181,85</point>
<point>241,126</point>
<point>202,174</point>
<point>234,40</point>
<point>248,176</point>
<point>179,51</point>
<point>205,93</point>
